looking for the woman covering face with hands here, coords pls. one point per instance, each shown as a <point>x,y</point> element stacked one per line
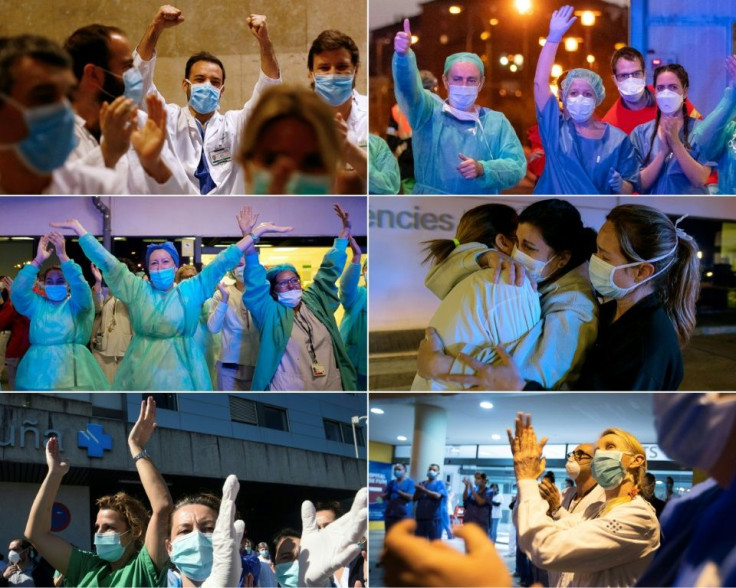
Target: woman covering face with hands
<point>61,323</point>
<point>163,354</point>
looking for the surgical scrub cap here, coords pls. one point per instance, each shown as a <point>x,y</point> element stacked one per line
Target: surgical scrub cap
<point>277,269</point>
<point>167,246</point>
<point>465,57</point>
<point>586,75</point>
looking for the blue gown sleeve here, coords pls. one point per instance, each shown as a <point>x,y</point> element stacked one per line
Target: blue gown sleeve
<point>710,133</point>
<point>414,101</point>
<point>257,293</point>
<point>384,177</point>
<point>628,163</point>
<point>508,166</point>
<point>123,284</point>
<point>328,273</point>
<point>22,295</point>
<point>349,285</point>
<point>81,294</point>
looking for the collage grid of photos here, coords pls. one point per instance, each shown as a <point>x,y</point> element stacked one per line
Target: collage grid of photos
<point>198,387</point>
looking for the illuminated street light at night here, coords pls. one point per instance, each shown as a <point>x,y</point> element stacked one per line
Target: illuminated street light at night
<point>571,44</point>
<point>493,22</point>
<point>455,9</point>
<point>523,6</point>
<point>485,35</point>
<point>587,17</point>
<point>542,41</point>
<point>444,39</point>
<point>590,59</point>
<point>414,39</point>
<point>513,68</point>
<point>519,59</point>
<point>504,60</point>
<point>556,70</point>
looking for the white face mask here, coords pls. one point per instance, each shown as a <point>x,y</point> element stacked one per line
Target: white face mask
<point>601,275</point>
<point>238,273</point>
<point>534,266</point>
<point>14,557</point>
<point>581,108</point>
<point>631,89</point>
<point>669,101</point>
<point>462,97</point>
<point>572,467</point>
<point>290,298</point>
<point>693,429</point>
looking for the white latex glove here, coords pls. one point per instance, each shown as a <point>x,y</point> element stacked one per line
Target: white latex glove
<point>226,564</point>
<point>323,552</point>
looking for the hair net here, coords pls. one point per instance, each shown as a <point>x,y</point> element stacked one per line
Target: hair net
<point>465,57</point>
<point>277,269</point>
<point>586,75</point>
<point>167,246</point>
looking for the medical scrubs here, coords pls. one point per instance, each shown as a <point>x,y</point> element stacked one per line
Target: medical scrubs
<point>480,514</point>
<point>439,138</point>
<point>716,135</point>
<point>354,325</point>
<point>671,178</point>
<point>88,569</point>
<point>638,351</point>
<point>398,508</point>
<point>58,358</point>
<point>163,354</point>
<point>579,165</point>
<point>383,175</point>
<point>275,321</point>
<point>429,510</point>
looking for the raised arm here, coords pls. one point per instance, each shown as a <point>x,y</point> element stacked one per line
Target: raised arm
<point>52,548</point>
<point>411,96</point>
<point>153,484</point>
<point>269,63</point>
<point>710,134</point>
<point>560,22</point>
<point>81,293</point>
<point>166,17</point>
<point>351,277</point>
<point>333,263</point>
<point>21,294</point>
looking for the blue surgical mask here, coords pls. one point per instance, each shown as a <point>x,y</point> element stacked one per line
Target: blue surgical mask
<point>607,469</point>
<point>204,98</point>
<point>192,554</point>
<point>462,97</point>
<point>163,279</point>
<point>399,474</point>
<point>431,474</point>
<point>263,553</point>
<point>335,89</point>
<point>299,182</point>
<point>56,292</point>
<point>50,137</point>
<point>287,574</point>
<point>108,546</point>
<point>248,550</point>
<point>290,298</point>
<point>133,80</point>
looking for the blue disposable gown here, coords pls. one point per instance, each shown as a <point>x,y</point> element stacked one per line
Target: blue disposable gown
<point>671,179</point>
<point>58,358</point>
<point>163,354</point>
<point>384,177</point>
<point>578,165</point>
<point>438,138</point>
<point>716,135</point>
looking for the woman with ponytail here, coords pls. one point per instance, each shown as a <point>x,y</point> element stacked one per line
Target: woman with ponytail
<point>671,161</point>
<point>610,548</point>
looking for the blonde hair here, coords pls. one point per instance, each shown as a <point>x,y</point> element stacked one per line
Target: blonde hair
<point>186,268</point>
<point>282,102</point>
<point>632,444</point>
<point>131,509</point>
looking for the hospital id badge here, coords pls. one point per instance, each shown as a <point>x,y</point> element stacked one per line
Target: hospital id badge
<point>318,369</point>
<point>220,155</point>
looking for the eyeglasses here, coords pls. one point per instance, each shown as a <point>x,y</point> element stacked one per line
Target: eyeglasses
<point>289,282</point>
<point>638,74</point>
<point>579,455</point>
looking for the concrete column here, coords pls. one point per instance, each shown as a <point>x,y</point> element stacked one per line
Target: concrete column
<point>428,443</point>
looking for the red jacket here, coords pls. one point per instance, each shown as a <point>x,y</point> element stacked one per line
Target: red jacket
<point>627,120</point>
<point>18,325</point>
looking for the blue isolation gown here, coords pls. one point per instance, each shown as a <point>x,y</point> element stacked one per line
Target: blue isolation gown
<point>716,135</point>
<point>579,165</point>
<point>384,176</point>
<point>163,354</point>
<point>58,358</point>
<point>438,137</point>
<point>671,179</point>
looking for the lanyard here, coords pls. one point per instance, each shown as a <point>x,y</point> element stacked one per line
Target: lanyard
<point>304,325</point>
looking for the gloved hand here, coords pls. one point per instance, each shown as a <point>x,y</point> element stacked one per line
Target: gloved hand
<point>322,552</point>
<point>402,40</point>
<point>226,564</point>
<point>560,22</point>
<point>615,181</point>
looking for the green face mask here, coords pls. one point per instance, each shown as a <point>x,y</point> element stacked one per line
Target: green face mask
<point>287,574</point>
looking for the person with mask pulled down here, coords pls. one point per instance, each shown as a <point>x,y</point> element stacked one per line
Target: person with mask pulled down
<point>312,557</point>
<point>163,354</point>
<point>698,544</point>
<point>300,344</point>
<point>611,548</point>
<point>584,155</point>
<point>398,495</point>
<point>130,546</point>
<point>459,146</point>
<point>672,161</point>
<point>60,323</point>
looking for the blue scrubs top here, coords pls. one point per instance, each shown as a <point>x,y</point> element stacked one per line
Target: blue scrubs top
<point>476,513</point>
<point>396,506</point>
<point>428,507</point>
<point>578,165</point>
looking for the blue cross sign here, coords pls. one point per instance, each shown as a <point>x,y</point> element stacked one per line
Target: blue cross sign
<point>95,440</point>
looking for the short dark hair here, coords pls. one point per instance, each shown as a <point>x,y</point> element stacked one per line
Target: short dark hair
<point>203,56</point>
<point>649,476</point>
<point>284,534</point>
<point>629,54</point>
<point>328,41</point>
<point>332,505</point>
<point>90,44</point>
<point>34,46</point>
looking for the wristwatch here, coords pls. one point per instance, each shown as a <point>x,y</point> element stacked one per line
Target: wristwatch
<point>141,455</point>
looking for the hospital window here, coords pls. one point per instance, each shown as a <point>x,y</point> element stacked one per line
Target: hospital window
<point>342,432</point>
<point>250,412</point>
<point>163,401</point>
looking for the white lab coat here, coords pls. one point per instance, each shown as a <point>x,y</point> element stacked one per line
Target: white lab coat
<point>221,135</point>
<point>358,121</point>
<point>610,549</point>
<point>240,337</point>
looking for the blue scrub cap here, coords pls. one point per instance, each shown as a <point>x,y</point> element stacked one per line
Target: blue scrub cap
<point>167,246</point>
<point>465,57</point>
<point>277,269</point>
<point>586,75</point>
